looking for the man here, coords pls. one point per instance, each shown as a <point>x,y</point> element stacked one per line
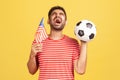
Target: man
<point>58,55</point>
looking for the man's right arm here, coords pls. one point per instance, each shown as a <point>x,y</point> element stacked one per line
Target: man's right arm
<point>32,62</point>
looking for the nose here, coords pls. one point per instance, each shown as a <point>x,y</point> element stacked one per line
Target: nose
<point>58,14</point>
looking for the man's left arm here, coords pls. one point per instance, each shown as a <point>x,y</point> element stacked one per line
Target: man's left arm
<point>80,63</point>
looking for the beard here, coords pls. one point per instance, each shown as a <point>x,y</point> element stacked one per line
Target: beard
<point>57,28</point>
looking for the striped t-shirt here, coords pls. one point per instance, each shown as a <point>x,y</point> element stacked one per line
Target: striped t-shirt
<point>56,61</point>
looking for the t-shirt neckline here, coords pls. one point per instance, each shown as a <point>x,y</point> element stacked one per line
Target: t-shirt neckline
<point>58,39</point>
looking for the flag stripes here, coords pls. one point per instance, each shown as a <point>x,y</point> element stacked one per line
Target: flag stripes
<point>40,33</point>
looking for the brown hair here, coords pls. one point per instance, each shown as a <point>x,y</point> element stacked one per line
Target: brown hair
<point>54,8</point>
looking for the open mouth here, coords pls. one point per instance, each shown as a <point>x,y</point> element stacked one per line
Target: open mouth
<point>58,20</point>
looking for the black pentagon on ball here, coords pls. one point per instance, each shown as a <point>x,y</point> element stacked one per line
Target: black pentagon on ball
<point>78,23</point>
<point>81,33</point>
<point>89,25</point>
<point>91,36</point>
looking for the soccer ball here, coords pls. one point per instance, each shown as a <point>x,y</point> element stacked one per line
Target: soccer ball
<point>85,30</point>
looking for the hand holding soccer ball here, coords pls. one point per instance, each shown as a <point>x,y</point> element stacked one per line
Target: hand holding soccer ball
<point>85,30</point>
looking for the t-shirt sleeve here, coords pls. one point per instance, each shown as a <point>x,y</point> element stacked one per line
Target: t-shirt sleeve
<point>76,52</point>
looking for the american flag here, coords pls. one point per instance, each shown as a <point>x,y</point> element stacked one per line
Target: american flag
<point>40,33</point>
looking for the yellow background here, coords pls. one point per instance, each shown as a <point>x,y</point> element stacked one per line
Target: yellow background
<point>19,20</point>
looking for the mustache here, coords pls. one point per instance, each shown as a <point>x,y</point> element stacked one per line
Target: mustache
<point>57,17</point>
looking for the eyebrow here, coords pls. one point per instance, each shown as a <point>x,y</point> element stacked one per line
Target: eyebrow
<point>56,13</point>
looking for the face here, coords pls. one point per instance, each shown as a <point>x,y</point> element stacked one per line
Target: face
<point>57,20</point>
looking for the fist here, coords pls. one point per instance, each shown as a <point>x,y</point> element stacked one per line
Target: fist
<point>35,49</point>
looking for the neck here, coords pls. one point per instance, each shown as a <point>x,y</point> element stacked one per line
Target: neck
<point>56,35</point>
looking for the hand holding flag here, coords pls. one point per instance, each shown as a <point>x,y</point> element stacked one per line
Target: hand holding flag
<point>40,34</point>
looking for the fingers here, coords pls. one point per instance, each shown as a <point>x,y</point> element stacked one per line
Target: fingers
<point>36,48</point>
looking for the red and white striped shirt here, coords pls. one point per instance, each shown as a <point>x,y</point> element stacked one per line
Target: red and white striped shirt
<point>56,61</point>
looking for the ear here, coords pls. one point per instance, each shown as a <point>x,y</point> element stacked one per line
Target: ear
<point>48,21</point>
<point>66,22</point>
